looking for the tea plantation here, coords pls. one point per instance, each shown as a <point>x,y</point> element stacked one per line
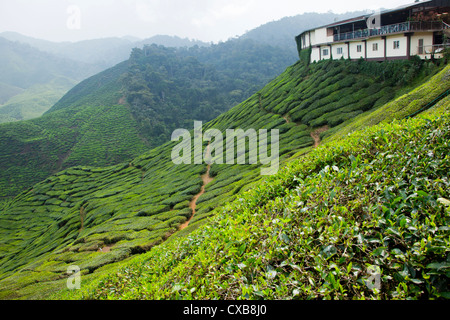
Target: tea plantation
<point>309,231</point>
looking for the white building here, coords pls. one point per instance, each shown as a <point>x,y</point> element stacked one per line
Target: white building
<point>420,29</point>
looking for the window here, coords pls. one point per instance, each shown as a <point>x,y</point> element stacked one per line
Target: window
<point>325,52</point>
<point>375,47</point>
<point>397,44</point>
<point>359,48</point>
<point>420,46</point>
<point>340,51</point>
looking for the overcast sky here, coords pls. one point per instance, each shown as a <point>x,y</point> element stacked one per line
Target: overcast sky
<point>206,20</point>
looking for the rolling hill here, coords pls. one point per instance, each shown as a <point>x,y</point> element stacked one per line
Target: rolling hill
<point>31,81</point>
<point>92,56</point>
<point>105,52</point>
<point>345,202</point>
<point>123,111</point>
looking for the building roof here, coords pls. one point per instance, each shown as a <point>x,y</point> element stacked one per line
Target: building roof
<point>338,23</point>
<point>364,17</point>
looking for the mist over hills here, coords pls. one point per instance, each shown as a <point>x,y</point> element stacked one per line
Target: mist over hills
<point>281,32</point>
<point>104,52</point>
<point>107,52</point>
<point>155,99</point>
<point>92,56</point>
<point>31,80</point>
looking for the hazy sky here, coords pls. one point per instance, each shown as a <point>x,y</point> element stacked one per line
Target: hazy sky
<point>207,20</point>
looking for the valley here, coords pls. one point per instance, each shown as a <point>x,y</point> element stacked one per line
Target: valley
<point>355,205</point>
<point>137,206</point>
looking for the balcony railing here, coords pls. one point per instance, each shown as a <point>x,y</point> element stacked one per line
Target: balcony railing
<point>390,29</point>
<point>433,49</point>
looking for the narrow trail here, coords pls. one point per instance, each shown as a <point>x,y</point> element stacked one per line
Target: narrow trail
<point>316,135</point>
<point>206,178</point>
<point>105,249</point>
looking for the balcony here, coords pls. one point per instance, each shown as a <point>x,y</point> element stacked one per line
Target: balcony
<point>410,26</point>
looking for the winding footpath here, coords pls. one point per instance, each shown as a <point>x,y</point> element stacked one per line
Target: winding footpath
<point>206,178</point>
<point>316,135</point>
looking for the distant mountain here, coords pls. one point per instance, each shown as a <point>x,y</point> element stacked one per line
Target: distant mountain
<point>34,101</point>
<point>54,68</point>
<point>172,42</point>
<point>125,110</point>
<point>282,32</point>
<point>102,52</point>
<point>23,66</point>
<point>108,52</point>
<point>105,52</point>
<point>31,81</point>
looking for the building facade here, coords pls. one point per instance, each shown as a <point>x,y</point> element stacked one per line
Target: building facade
<point>420,29</point>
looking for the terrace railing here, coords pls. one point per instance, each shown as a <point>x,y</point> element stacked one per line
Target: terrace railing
<point>393,28</point>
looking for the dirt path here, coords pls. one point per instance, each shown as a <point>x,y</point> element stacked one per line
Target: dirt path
<point>316,135</point>
<point>286,117</point>
<point>105,249</point>
<point>206,178</point>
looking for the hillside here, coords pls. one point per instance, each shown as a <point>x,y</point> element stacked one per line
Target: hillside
<point>95,217</point>
<point>31,81</point>
<point>331,226</point>
<point>123,111</point>
<point>35,100</point>
<point>95,55</point>
<point>105,52</point>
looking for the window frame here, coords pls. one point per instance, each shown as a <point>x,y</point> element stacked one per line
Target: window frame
<point>421,46</point>
<point>396,44</point>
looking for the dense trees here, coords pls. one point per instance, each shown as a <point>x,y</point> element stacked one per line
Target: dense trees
<point>168,88</point>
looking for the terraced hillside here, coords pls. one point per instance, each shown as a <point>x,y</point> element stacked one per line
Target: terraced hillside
<point>329,226</point>
<point>95,217</point>
<point>133,107</point>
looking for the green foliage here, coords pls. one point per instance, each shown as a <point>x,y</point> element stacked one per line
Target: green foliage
<point>24,66</point>
<point>123,111</point>
<point>33,150</point>
<point>34,101</point>
<point>317,230</point>
<point>249,235</point>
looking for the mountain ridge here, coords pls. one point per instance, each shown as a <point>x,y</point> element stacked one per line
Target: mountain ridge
<point>107,52</point>
<point>157,92</point>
